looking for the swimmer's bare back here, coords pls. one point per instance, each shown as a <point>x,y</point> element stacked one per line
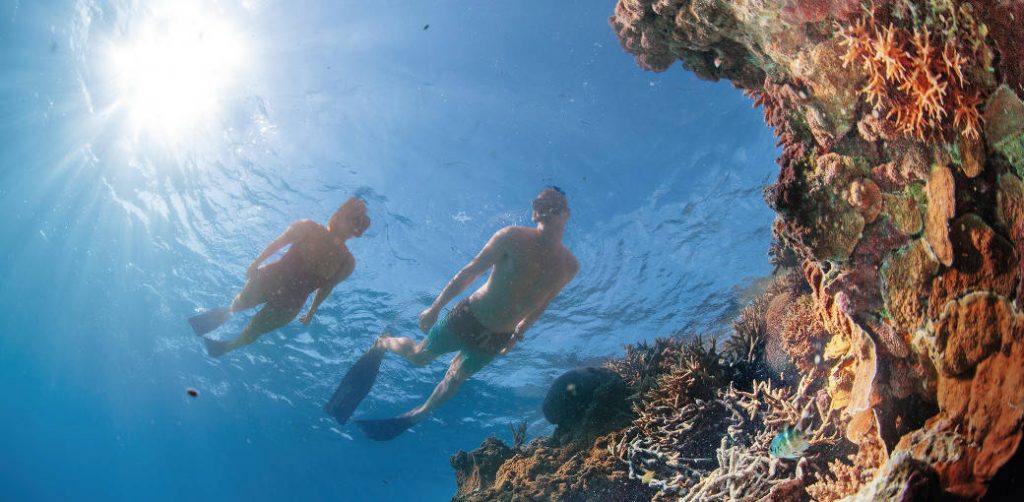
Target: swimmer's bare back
<point>317,259</point>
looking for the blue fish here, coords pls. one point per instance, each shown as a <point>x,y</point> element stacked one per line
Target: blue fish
<point>789,443</point>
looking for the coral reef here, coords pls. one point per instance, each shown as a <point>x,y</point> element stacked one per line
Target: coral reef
<point>893,334</point>
<point>902,135</point>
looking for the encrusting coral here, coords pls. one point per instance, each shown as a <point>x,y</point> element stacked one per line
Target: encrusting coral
<point>899,347</point>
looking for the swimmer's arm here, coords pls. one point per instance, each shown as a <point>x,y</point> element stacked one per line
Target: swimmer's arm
<point>532,317</point>
<point>324,292</point>
<point>292,234</point>
<point>488,256</point>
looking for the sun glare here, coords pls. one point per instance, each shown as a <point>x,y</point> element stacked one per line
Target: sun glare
<point>175,67</point>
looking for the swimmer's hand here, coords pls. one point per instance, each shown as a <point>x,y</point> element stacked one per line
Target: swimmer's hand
<point>512,341</point>
<point>306,319</point>
<point>427,319</point>
<point>251,272</point>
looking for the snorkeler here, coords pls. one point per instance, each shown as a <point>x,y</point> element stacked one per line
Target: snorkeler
<point>529,267</point>
<point>317,260</point>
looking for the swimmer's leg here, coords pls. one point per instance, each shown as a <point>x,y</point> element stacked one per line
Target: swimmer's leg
<point>417,353</point>
<point>385,430</point>
<point>250,296</point>
<point>267,319</point>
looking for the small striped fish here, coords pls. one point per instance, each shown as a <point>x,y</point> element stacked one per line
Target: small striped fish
<point>789,443</point>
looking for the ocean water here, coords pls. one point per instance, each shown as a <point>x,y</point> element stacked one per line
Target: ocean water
<point>137,183</point>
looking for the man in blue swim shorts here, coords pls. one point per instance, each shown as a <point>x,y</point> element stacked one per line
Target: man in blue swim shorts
<point>529,266</point>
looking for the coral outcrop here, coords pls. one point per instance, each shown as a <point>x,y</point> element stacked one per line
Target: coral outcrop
<point>900,189</point>
<point>893,336</point>
<point>587,400</point>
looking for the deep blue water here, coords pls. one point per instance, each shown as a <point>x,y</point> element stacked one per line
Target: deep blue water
<point>114,234</point>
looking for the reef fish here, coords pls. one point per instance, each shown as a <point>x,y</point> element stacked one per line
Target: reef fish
<point>789,443</point>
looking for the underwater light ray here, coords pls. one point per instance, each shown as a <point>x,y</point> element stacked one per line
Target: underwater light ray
<point>174,69</point>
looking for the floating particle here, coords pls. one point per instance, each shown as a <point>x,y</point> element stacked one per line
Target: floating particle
<point>192,392</point>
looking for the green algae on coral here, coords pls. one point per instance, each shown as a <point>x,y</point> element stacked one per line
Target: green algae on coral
<point>1004,126</point>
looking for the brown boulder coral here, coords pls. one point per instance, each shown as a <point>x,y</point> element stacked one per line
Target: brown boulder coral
<point>970,329</point>
<point>904,212</point>
<point>979,427</point>
<point>803,335</point>
<point>905,275</point>
<point>1010,206</point>
<point>985,261</point>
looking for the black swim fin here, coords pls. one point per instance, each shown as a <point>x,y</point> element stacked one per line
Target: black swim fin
<point>209,320</point>
<point>355,386</point>
<point>385,430</point>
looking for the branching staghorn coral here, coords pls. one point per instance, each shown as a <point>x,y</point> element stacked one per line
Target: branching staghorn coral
<point>644,363</point>
<point>697,374</point>
<point>518,434</point>
<point>668,448</point>
<point>749,331</point>
<point>919,58</point>
<point>842,479</point>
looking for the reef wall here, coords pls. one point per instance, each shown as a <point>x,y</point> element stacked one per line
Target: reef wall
<point>892,334</point>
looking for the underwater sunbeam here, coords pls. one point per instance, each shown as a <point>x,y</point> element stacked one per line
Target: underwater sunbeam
<point>173,68</point>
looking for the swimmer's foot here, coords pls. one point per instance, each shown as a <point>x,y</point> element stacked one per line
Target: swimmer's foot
<point>216,348</point>
<point>209,320</point>
<point>378,344</point>
<point>355,385</point>
<point>386,429</point>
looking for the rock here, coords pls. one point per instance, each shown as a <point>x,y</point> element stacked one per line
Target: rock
<point>476,470</point>
<point>1004,126</point>
<point>586,398</point>
<point>985,261</point>
<point>941,207</point>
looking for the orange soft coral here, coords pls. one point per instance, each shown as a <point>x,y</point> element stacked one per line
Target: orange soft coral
<point>915,78</point>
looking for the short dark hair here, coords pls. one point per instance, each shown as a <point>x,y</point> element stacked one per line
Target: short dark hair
<point>552,205</point>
